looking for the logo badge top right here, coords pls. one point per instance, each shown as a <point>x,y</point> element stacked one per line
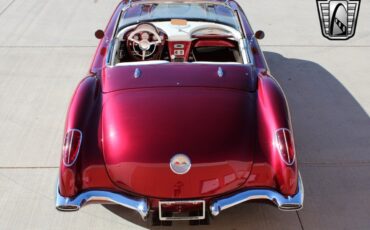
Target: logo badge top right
<point>338,18</point>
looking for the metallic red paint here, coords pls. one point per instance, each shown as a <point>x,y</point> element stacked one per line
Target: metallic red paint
<point>238,77</point>
<point>273,115</point>
<point>132,128</point>
<point>144,128</point>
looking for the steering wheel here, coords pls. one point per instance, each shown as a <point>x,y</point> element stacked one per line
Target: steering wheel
<point>144,42</point>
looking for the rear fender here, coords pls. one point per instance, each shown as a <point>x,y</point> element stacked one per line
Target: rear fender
<point>272,115</point>
<point>79,116</point>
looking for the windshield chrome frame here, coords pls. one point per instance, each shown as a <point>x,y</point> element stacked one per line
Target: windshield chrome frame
<point>221,3</point>
<point>138,2</point>
<point>244,45</point>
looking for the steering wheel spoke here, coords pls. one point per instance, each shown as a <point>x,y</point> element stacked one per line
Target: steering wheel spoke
<point>155,43</point>
<point>134,40</point>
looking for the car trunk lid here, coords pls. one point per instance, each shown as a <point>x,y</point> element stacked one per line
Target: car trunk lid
<point>144,127</point>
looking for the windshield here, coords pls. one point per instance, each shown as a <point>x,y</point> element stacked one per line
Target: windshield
<point>190,11</point>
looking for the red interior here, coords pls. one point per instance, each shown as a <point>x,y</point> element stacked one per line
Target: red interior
<point>214,43</point>
<point>180,50</point>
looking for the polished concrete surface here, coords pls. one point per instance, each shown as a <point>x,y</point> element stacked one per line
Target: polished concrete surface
<point>46,48</point>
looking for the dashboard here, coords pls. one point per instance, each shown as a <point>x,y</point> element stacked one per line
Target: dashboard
<point>178,37</point>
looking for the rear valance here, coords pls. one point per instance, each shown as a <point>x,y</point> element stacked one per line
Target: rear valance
<point>229,76</point>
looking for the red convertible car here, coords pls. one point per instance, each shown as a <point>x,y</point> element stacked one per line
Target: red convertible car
<point>179,117</point>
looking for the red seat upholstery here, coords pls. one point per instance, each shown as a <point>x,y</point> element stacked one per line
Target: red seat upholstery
<point>214,43</point>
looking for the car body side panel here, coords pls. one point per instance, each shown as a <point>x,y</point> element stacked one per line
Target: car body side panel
<point>84,115</point>
<point>273,114</point>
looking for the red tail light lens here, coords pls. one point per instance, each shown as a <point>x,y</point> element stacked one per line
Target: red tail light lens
<point>71,146</point>
<point>285,146</point>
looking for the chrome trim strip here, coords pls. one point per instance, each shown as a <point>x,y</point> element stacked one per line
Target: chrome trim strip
<point>246,52</point>
<point>139,205</point>
<point>283,203</point>
<point>224,3</point>
<point>202,217</point>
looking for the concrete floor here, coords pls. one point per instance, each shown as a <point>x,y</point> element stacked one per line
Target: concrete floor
<point>46,47</point>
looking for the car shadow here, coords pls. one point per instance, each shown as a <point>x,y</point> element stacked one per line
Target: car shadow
<point>327,120</point>
<point>324,115</point>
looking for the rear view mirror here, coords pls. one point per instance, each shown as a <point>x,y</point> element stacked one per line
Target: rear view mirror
<point>260,35</point>
<point>99,34</point>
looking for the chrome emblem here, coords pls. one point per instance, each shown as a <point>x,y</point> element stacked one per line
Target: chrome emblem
<point>180,164</point>
<point>338,18</point>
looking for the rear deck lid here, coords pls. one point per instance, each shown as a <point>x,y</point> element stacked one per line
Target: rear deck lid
<point>144,129</point>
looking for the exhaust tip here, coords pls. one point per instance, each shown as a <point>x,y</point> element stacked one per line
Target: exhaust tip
<point>290,207</point>
<point>68,208</point>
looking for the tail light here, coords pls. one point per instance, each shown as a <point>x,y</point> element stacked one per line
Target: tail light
<point>71,146</point>
<point>285,145</point>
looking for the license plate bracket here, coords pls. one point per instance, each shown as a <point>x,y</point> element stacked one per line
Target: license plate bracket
<point>163,205</point>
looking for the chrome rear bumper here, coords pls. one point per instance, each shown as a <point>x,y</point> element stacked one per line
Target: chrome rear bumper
<point>141,206</point>
<point>283,203</point>
<point>101,197</point>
